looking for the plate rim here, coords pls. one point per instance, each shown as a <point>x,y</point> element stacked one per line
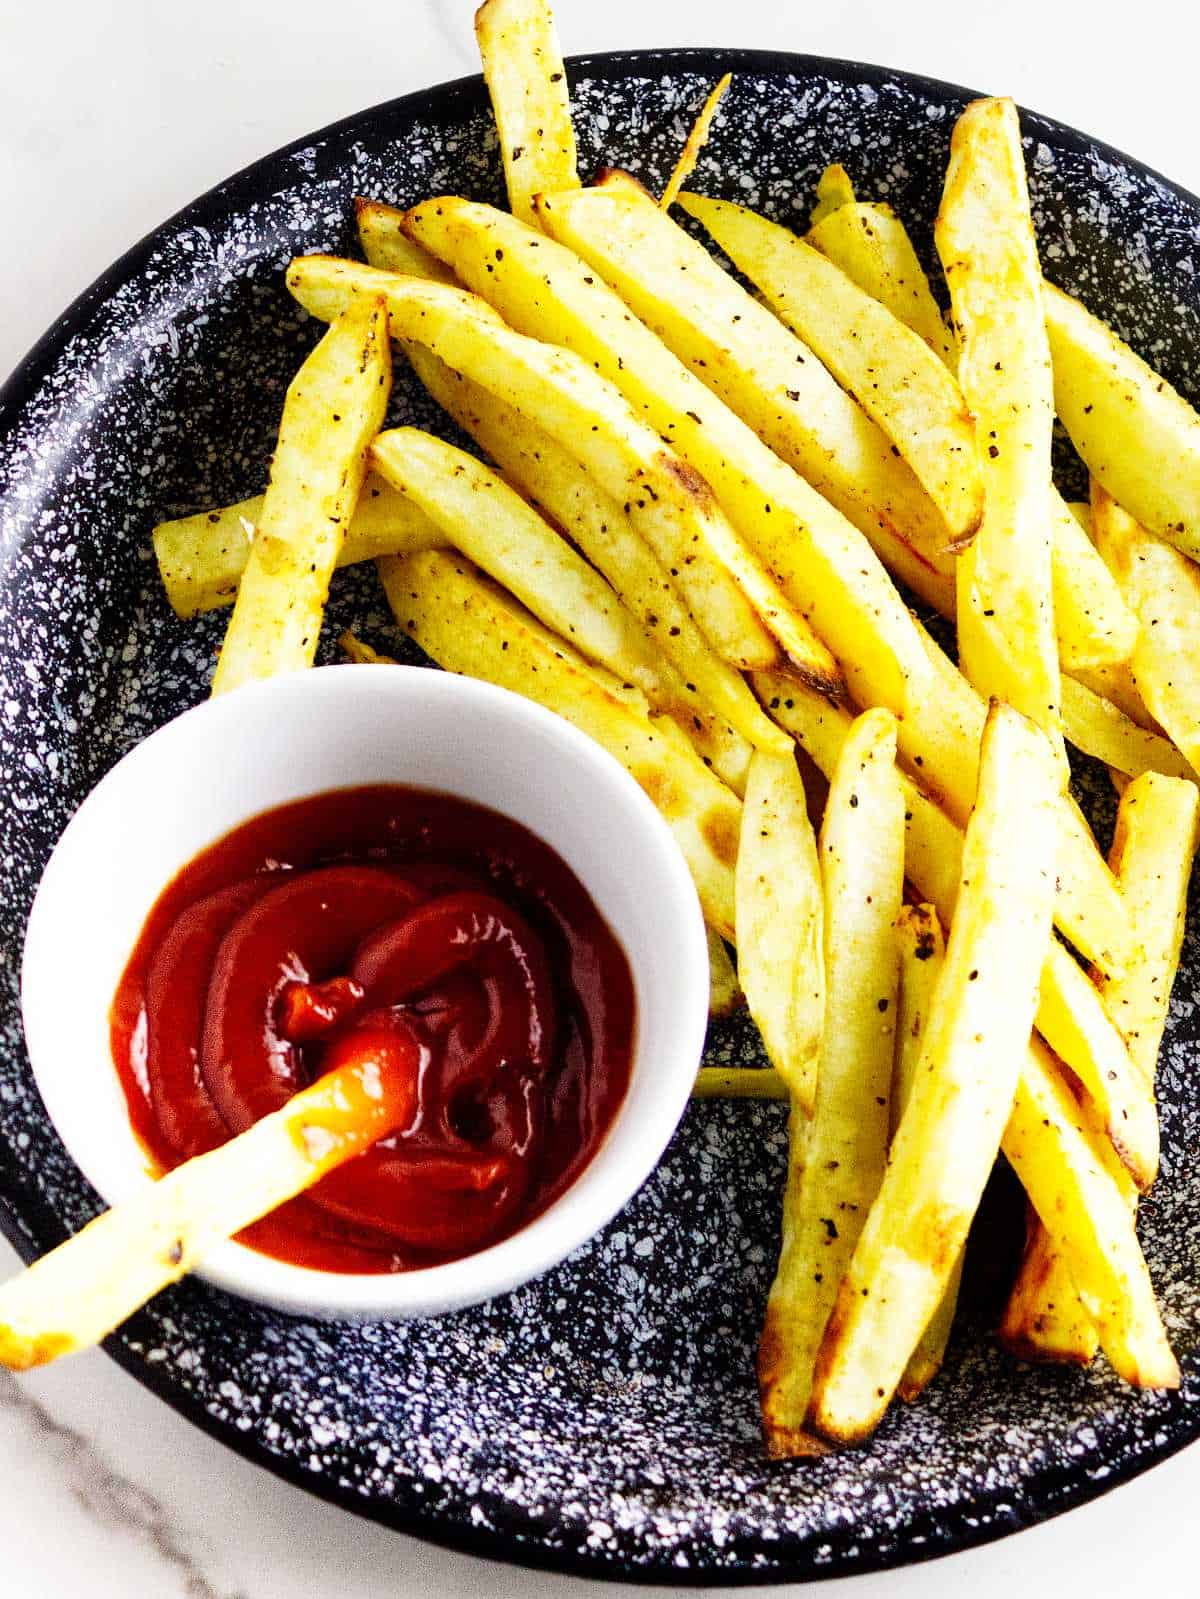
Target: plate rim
<point>20,1200</point>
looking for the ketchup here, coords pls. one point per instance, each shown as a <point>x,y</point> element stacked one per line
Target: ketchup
<point>394,925</point>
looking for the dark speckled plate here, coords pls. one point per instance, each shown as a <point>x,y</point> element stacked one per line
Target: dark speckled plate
<point>602,1419</point>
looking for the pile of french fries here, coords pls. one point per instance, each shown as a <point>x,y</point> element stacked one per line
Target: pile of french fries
<point>697,528</point>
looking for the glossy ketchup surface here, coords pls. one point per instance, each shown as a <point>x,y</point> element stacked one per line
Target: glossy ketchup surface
<point>323,929</point>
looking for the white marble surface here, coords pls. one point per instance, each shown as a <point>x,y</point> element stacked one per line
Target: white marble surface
<point>113,113</point>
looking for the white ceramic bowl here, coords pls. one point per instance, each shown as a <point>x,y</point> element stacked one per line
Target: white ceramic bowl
<point>236,756</point>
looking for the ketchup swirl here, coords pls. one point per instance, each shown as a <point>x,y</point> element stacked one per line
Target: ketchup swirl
<point>354,926</point>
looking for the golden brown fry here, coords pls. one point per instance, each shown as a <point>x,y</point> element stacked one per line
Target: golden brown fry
<point>468,625</point>
<point>1139,438</point>
<point>950,1133</point>
<point>524,72</point>
<point>544,290</point>
<point>1095,626</point>
<point>1084,1200</point>
<point>780,922</point>
<point>201,557</point>
<point>696,140</point>
<point>670,505</point>
<point>984,233</point>
<point>334,407</point>
<point>890,370</point>
<point>1043,1319</point>
<point>837,1158</point>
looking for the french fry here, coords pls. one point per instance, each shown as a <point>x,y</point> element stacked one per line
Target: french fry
<point>386,245</point>
<point>873,249</point>
<point>1043,1318</point>
<point>739,1082</point>
<point>940,720</point>
<point>696,140</point>
<point>736,347</point>
<point>724,990</point>
<point>922,955</point>
<point>1084,1201</point>
<point>359,653</point>
<point>1070,1015</point>
<point>541,289</point>
<point>523,69</point>
<point>949,1135</point>
<point>1152,851</point>
<point>201,557</point>
<point>779,919</point>
<point>713,696</point>
<point>334,407</point>
<point>479,514</point>
<point>1153,848</point>
<point>899,382</point>
<point>670,505</point>
<point>1163,587</point>
<point>469,626</point>
<point>1139,438</point>
<point>1114,682</point>
<point>1089,909</point>
<point>834,190</point>
<point>1098,728</point>
<point>837,1158</point>
<point>1094,625</point>
<point>1006,639</point>
<point>74,1296</point>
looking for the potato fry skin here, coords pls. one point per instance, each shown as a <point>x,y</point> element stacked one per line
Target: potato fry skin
<point>837,1157</point>
<point>780,917</point>
<point>334,407</point>
<point>469,625</point>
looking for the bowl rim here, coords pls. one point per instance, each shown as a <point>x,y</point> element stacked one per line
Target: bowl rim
<point>22,1206</point>
<point>633,1143</point>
